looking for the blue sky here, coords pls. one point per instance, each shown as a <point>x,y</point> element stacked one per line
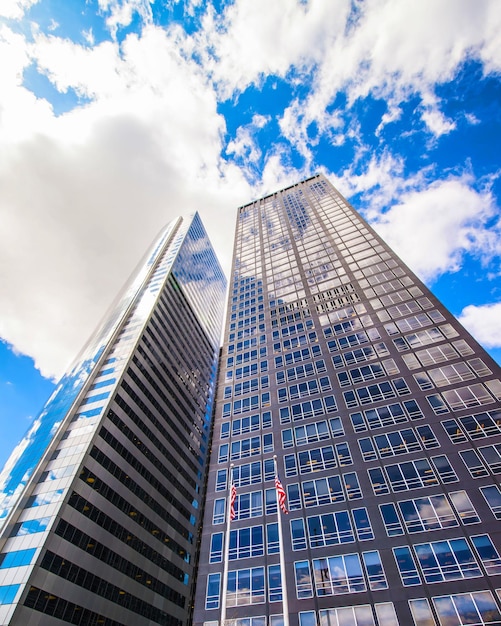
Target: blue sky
<point>118,115</point>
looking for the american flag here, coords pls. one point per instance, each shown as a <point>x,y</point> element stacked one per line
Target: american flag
<point>233,497</point>
<point>280,494</point>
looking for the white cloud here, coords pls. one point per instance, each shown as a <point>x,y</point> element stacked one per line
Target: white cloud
<point>431,229</point>
<point>83,194</point>
<point>394,49</point>
<point>483,322</point>
<point>255,38</point>
<point>245,146</point>
<point>121,12</point>
<point>15,9</point>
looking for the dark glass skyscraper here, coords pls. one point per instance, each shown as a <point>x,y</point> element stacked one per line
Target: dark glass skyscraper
<point>385,417</point>
<point>101,501</point>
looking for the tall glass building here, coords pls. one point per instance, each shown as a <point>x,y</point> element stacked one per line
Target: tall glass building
<point>101,501</point>
<point>384,415</point>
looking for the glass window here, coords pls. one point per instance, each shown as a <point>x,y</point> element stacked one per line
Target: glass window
<point>274,583</point>
<point>445,560</point>
<point>488,554</point>
<point>272,540</point>
<point>421,612</point>
<point>473,463</point>
<point>338,575</point>
<point>406,566</point>
<point>246,542</point>
<point>8,593</point>
<point>464,508</point>
<point>213,590</point>
<point>307,618</point>
<point>477,608</point>
<point>304,583</point>
<point>17,558</point>
<point>30,527</point>
<point>360,615</point>
<point>385,612</point>
<point>246,586</point>
<point>492,494</point>
<point>444,469</point>
<point>330,529</point>
<point>374,569</point>
<point>352,486</point>
<point>216,548</point>
<point>391,519</point>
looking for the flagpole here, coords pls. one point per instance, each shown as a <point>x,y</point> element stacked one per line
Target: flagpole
<point>285,602</point>
<point>226,550</point>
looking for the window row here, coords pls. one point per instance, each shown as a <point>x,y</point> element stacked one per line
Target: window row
<point>356,339</point>
<point>310,433</point>
<point>360,355</point>
<point>428,513</point>
<point>425,337</point>
<point>437,354</point>
<point>341,574</point>
<point>330,490</point>
<point>488,461</point>
<point>414,322</point>
<point>376,392</point>
<point>247,505</point>
<point>451,374</point>
<point>391,284</point>
<point>329,529</point>
<point>242,425</point>
<point>478,608</point>
<point>245,543</point>
<point>465,397</point>
<point>347,313</point>
<point>291,308</point>
<point>310,408</point>
<point>290,318</point>
<point>295,342</point>
<point>477,426</point>
<point>411,475</point>
<point>300,371</point>
<point>239,346</point>
<point>348,326</point>
<point>245,447</point>
<point>246,474</point>
<point>248,386</point>
<point>379,614</point>
<point>293,329</point>
<point>385,415</point>
<point>368,372</point>
<point>303,390</point>
<point>244,311</point>
<point>398,442</point>
<point>246,357</point>
<point>297,356</point>
<point>446,560</point>
<point>317,459</point>
<point>392,303</point>
<point>247,370</point>
<point>253,403</point>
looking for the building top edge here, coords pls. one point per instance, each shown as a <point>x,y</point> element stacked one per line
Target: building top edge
<point>270,195</point>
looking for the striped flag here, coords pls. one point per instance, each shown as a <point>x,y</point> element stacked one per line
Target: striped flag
<point>281,497</point>
<point>233,497</point>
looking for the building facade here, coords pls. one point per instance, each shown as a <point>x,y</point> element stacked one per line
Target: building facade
<point>385,418</point>
<point>101,501</point>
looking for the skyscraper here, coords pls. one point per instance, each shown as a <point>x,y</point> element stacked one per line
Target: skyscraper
<point>384,415</point>
<point>101,501</point>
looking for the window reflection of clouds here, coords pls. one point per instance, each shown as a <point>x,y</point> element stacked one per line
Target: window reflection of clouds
<point>209,281</point>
